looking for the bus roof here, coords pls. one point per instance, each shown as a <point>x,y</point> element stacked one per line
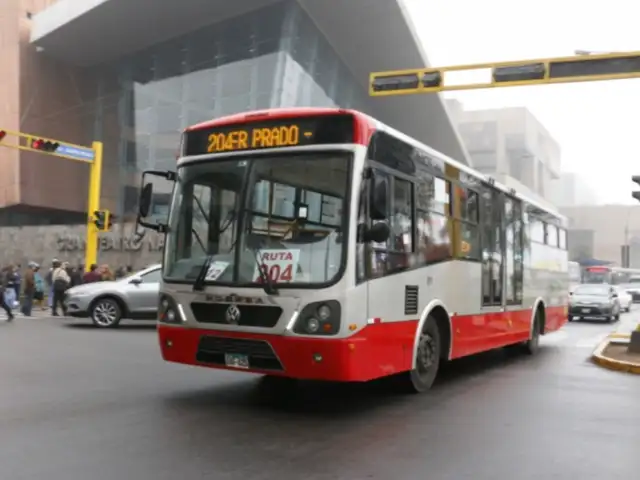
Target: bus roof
<point>367,125</point>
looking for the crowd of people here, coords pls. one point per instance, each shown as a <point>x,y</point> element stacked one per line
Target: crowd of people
<point>26,288</point>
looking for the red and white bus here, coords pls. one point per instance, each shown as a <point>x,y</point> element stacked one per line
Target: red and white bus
<point>321,244</point>
<point>610,275</point>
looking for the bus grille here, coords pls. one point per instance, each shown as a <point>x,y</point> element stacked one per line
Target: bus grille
<point>212,350</point>
<point>250,315</point>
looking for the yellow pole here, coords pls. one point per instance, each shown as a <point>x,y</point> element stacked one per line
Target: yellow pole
<point>95,179</point>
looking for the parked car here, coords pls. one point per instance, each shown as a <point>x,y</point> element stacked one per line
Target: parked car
<point>594,301</point>
<point>106,303</point>
<point>625,298</point>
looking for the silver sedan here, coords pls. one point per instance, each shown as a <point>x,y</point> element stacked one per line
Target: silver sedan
<point>107,303</point>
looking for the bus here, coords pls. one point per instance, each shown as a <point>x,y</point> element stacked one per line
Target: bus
<point>611,275</point>
<point>321,244</point>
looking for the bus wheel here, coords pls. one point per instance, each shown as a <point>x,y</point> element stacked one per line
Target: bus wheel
<point>427,360</point>
<point>532,345</point>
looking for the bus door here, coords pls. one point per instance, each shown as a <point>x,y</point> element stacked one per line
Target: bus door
<point>495,323</point>
<point>387,199</point>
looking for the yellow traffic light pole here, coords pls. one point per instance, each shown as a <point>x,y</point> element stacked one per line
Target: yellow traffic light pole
<point>95,179</point>
<point>541,71</point>
<point>78,153</point>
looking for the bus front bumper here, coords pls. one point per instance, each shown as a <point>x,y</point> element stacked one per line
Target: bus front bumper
<point>357,358</point>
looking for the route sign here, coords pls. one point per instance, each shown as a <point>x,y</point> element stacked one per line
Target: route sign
<point>76,152</point>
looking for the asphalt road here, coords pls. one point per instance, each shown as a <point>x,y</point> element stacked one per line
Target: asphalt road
<point>83,404</point>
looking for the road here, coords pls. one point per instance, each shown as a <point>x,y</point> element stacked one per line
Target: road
<point>83,404</point>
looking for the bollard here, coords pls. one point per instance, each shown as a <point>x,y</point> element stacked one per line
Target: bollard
<point>634,342</point>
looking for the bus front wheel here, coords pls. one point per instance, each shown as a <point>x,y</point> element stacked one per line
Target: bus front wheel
<point>428,354</point>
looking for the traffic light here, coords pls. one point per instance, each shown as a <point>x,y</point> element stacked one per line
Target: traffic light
<point>2,135</point>
<point>636,194</point>
<point>102,220</point>
<point>44,145</point>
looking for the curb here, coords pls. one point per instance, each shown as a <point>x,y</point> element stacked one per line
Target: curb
<point>609,363</point>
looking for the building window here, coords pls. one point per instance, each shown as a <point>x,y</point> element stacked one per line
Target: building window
<point>563,238</point>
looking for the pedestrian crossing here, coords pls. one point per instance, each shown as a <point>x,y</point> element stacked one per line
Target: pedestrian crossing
<point>34,314</point>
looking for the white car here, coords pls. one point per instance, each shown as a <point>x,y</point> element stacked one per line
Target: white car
<point>625,298</point>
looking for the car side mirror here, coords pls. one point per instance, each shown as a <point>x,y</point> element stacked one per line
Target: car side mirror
<point>135,281</point>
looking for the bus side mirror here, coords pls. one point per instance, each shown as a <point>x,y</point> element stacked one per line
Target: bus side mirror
<point>146,196</point>
<point>378,233</point>
<point>379,198</point>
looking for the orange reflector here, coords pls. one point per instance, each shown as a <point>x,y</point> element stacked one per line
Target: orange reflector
<point>353,327</point>
<point>352,347</point>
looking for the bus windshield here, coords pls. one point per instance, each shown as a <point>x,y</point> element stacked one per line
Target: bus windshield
<point>243,213</point>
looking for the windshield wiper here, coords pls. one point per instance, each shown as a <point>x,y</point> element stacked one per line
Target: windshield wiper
<point>267,285</point>
<point>198,284</point>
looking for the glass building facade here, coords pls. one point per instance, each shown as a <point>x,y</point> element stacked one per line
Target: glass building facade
<point>274,57</point>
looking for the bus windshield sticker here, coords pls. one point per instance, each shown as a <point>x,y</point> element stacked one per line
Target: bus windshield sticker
<point>216,269</point>
<point>280,265</point>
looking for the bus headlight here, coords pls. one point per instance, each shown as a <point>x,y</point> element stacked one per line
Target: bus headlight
<point>168,311</point>
<point>319,318</point>
<point>313,325</point>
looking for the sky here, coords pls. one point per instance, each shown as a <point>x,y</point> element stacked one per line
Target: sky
<point>597,124</point>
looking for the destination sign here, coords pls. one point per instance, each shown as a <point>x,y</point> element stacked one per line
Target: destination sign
<point>275,133</point>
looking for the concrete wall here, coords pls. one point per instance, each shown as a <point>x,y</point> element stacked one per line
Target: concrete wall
<point>42,244</point>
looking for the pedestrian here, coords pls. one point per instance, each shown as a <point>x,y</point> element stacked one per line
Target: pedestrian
<point>39,282</point>
<point>49,281</point>
<point>93,275</point>
<point>29,289</point>
<point>10,296</point>
<point>107,274</point>
<point>17,282</point>
<point>61,282</point>
<point>3,289</point>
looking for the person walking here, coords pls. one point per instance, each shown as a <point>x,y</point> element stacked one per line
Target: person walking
<point>28,289</point>
<point>61,282</point>
<point>4,279</point>
<point>40,286</point>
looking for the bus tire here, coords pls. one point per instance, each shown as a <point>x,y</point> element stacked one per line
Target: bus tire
<point>428,356</point>
<point>532,345</point>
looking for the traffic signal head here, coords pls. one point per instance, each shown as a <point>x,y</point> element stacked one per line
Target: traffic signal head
<point>44,145</point>
<point>636,179</point>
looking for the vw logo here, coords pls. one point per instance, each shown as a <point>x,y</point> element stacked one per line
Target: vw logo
<point>233,314</point>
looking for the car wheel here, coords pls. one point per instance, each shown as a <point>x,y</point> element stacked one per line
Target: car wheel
<point>106,313</point>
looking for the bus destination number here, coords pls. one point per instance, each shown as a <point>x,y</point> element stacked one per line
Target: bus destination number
<point>277,265</point>
<point>255,138</point>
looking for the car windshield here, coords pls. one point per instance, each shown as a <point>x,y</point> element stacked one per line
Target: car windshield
<point>595,290</point>
<point>248,211</point>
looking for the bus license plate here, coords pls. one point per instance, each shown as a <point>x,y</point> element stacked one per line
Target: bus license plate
<point>236,360</point>
<point>586,310</point>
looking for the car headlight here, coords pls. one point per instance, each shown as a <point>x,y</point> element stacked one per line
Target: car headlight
<point>168,311</point>
<point>319,318</point>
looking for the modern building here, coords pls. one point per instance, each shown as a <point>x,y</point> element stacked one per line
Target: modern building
<point>511,145</point>
<point>600,231</point>
<point>570,190</point>
<point>133,73</point>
